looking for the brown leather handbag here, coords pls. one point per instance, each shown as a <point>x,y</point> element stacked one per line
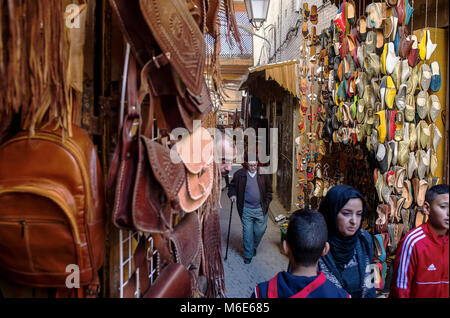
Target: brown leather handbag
<point>158,181</point>
<point>51,209</point>
<point>123,167</point>
<point>196,152</point>
<point>177,50</point>
<point>179,277</point>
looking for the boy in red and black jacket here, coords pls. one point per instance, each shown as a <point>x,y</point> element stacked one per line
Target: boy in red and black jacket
<point>421,266</point>
<point>306,242</point>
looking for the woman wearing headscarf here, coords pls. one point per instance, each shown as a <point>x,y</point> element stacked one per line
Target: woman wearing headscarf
<point>349,264</point>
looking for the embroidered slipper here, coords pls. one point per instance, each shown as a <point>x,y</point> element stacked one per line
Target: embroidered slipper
<point>422,103</point>
<point>410,108</point>
<point>392,244</point>
<point>413,57</point>
<point>381,223</point>
<point>397,75</point>
<point>399,173</point>
<point>413,81</point>
<point>370,42</point>
<point>406,132</point>
<point>400,99</point>
<point>390,93</point>
<point>385,191</point>
<point>310,171</point>
<point>424,134</point>
<point>405,44</point>
<point>394,148</point>
<point>318,190</point>
<point>408,12</point>
<point>305,31</point>
<point>398,208</point>
<point>433,163</point>
<point>412,165</point>
<point>382,126</point>
<point>406,71</point>
<point>423,46</point>
<point>435,108</point>
<point>362,28</point>
<point>420,218</point>
<point>403,152</point>
<point>423,186</point>
<point>425,76</point>
<point>313,16</point>
<point>435,84</point>
<point>431,47</point>
<point>399,123</point>
<point>412,136</point>
<point>392,204</point>
<point>424,163</point>
<point>407,193</point>
<point>377,176</point>
<point>390,178</point>
<point>437,137</point>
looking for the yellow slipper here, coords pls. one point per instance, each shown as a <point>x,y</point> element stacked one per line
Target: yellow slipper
<point>391,91</point>
<point>383,58</point>
<point>381,128</point>
<point>423,46</point>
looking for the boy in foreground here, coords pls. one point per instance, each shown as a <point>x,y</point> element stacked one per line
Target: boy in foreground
<point>421,267</point>
<point>306,242</point>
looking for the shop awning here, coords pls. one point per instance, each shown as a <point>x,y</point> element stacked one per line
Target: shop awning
<point>284,73</point>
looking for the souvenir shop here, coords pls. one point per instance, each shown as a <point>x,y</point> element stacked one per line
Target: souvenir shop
<point>368,110</point>
<point>91,204</point>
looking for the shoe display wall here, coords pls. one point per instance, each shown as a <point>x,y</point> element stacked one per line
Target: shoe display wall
<point>386,97</point>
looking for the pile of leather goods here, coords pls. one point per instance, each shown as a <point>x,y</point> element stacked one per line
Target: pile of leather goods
<point>162,189</point>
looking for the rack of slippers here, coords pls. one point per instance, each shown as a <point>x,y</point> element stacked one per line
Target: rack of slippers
<point>381,97</point>
<point>310,148</point>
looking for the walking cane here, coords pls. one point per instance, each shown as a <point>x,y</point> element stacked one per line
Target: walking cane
<point>229,225</point>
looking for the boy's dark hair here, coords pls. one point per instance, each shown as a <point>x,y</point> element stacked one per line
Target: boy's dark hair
<point>306,235</point>
<point>434,191</point>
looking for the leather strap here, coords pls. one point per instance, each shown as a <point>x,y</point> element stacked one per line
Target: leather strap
<point>272,291</point>
<point>132,87</point>
<point>145,89</point>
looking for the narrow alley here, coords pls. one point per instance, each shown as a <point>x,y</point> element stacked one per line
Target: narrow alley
<point>240,278</point>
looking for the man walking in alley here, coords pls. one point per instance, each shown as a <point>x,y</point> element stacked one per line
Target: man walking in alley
<point>252,192</point>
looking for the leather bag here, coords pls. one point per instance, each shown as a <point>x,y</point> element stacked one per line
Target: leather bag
<point>51,209</point>
<point>124,162</point>
<point>196,152</point>
<point>165,32</point>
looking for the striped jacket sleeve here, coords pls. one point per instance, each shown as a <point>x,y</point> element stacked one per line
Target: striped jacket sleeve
<point>405,265</point>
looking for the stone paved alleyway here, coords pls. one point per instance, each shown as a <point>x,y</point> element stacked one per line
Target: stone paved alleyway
<point>240,278</point>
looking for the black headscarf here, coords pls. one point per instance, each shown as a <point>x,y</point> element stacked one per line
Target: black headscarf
<point>342,247</point>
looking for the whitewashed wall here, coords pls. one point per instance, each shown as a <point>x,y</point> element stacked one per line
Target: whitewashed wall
<point>283,15</point>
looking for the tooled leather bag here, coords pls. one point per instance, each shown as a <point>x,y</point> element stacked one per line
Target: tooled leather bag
<point>199,169</point>
<point>124,162</point>
<point>166,33</point>
<point>179,277</point>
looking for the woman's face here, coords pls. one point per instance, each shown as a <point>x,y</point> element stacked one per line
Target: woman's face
<point>349,217</point>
